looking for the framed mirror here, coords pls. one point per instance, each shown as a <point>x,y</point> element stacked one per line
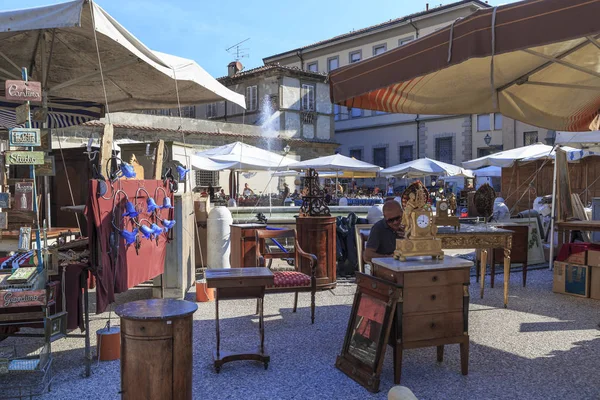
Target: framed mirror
<point>368,330</point>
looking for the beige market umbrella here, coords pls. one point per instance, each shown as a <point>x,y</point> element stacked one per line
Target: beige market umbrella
<point>534,61</point>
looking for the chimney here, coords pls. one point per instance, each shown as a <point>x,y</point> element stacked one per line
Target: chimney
<point>233,68</point>
<point>426,6</point>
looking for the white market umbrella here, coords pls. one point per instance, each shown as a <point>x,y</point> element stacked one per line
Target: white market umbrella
<point>59,44</point>
<point>335,163</point>
<point>425,167</point>
<point>241,156</point>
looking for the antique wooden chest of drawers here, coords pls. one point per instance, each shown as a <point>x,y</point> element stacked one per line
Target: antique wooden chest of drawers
<point>434,307</point>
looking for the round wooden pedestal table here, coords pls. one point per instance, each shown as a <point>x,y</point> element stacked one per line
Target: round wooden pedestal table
<point>156,349</point>
<point>317,235</point>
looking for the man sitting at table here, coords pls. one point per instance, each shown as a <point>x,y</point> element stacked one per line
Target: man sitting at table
<point>382,239</point>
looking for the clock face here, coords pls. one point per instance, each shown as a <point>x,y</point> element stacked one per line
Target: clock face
<point>443,206</point>
<point>423,221</point>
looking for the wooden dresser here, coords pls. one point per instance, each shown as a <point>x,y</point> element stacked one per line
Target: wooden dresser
<point>243,245</point>
<point>434,307</point>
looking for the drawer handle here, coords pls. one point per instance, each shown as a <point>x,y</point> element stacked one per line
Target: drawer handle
<point>433,297</point>
<point>434,279</point>
<point>432,325</point>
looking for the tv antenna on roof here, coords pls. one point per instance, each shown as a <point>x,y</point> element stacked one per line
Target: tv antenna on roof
<point>238,51</point>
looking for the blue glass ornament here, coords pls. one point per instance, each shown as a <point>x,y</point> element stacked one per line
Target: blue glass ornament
<point>156,230</point>
<point>129,236</point>
<point>151,205</point>
<point>146,231</point>
<point>182,171</point>
<point>127,170</point>
<point>166,203</point>
<point>168,224</point>
<point>130,210</point>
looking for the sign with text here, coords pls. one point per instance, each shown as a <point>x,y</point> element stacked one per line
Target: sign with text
<point>4,200</point>
<point>24,157</point>
<point>22,114</point>
<point>24,137</point>
<point>23,91</point>
<point>23,196</point>
<point>39,114</point>
<point>22,299</point>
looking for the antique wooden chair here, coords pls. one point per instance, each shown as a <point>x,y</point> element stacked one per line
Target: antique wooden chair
<point>303,279</point>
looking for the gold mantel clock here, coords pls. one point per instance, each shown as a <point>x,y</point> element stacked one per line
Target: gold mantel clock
<point>419,229</point>
<point>443,217</point>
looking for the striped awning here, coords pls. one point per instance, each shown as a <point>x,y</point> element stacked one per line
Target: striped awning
<point>535,61</point>
<point>61,113</point>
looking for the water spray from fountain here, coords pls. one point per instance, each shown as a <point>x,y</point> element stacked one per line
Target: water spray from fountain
<point>269,131</point>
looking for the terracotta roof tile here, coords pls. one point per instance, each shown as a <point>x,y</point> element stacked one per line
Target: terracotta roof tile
<point>270,67</point>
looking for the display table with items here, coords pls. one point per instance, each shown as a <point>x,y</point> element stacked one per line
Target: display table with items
<point>434,307</point>
<point>240,283</point>
<point>10,239</point>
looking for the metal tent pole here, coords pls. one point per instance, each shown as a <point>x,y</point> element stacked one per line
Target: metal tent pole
<point>553,216</point>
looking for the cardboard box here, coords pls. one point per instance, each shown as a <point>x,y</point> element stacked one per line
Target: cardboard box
<point>593,258</point>
<point>577,258</point>
<point>572,279</point>
<point>595,282</point>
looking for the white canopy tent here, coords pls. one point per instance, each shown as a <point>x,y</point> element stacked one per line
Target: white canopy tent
<point>490,171</point>
<point>425,167</point>
<point>78,51</point>
<point>576,139</point>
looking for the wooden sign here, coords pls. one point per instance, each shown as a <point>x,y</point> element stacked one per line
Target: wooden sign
<point>25,238</point>
<point>23,91</point>
<point>24,137</point>
<point>22,114</point>
<point>3,220</point>
<point>22,299</point>
<point>39,114</point>
<point>5,200</point>
<point>48,168</point>
<point>46,139</point>
<point>25,157</point>
<point>23,196</point>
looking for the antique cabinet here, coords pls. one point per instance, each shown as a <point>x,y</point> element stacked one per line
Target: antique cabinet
<point>434,307</point>
<point>317,235</point>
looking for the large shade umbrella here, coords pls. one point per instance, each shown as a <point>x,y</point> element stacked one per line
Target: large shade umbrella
<point>336,163</point>
<point>62,45</point>
<point>534,61</point>
<point>425,167</point>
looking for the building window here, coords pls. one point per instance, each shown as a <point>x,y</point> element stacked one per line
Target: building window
<point>482,152</point>
<point>530,138</point>
<point>379,49</point>
<point>355,112</point>
<point>205,178</point>
<point>355,56</point>
<point>498,121</point>
<point>333,63</point>
<point>336,112</point>
<point>483,122</point>
<point>211,110</point>
<point>380,156</point>
<point>443,150</point>
<point>405,40</point>
<point>406,153</point>
<point>188,112</point>
<point>313,66</point>
<point>308,97</point>
<point>251,98</point>
<point>356,154</point>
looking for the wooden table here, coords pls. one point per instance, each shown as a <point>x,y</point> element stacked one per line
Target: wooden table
<point>434,307</point>
<point>240,283</point>
<point>243,245</point>
<point>480,237</point>
<point>156,343</point>
<point>564,229</point>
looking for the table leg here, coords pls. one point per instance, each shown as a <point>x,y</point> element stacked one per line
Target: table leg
<point>464,357</point>
<point>440,353</point>
<point>506,275</point>
<point>483,267</point>
<point>262,327</point>
<point>217,324</point>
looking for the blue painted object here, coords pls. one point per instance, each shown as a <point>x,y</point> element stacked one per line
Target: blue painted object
<point>127,170</point>
<point>182,172</point>
<point>168,224</point>
<point>166,203</point>
<point>156,230</point>
<point>151,205</point>
<point>146,231</point>
<point>129,236</point>
<point>130,210</point>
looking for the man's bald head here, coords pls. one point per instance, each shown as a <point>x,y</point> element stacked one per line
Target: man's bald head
<point>391,206</point>
<point>392,213</point>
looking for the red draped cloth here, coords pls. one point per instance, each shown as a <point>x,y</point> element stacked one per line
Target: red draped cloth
<point>131,267</point>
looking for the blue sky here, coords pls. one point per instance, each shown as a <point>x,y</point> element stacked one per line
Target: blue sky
<point>203,29</point>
